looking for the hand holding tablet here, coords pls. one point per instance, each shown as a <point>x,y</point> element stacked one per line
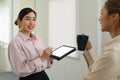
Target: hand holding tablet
<point>62,51</point>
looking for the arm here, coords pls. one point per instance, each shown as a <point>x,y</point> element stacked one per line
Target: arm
<point>47,51</point>
<point>20,63</point>
<point>46,56</point>
<point>89,57</point>
<point>105,68</point>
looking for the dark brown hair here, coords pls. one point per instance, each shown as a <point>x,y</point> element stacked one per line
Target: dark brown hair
<point>113,6</point>
<point>24,12</point>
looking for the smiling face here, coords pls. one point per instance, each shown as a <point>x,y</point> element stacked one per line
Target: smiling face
<point>105,20</point>
<point>28,23</point>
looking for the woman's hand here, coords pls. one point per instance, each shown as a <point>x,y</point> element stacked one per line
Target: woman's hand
<point>46,53</point>
<point>88,46</point>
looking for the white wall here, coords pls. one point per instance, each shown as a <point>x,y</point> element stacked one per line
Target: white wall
<point>88,20</point>
<point>5,22</point>
<point>4,63</point>
<point>5,18</point>
<point>62,24</point>
<point>87,23</point>
<point>67,68</point>
<point>42,28</point>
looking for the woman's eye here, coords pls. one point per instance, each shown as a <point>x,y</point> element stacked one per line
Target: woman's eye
<point>34,19</point>
<point>27,19</point>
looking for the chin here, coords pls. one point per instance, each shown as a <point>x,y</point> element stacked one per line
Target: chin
<point>30,30</point>
<point>103,30</point>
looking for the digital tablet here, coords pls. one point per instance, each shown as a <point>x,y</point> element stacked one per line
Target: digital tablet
<point>62,51</point>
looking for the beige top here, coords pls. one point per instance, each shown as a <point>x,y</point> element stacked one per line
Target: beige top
<point>107,66</point>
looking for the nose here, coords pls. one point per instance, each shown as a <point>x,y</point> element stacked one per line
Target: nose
<point>31,22</point>
<point>99,19</point>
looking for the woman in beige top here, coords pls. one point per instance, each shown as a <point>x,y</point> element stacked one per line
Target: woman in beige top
<point>107,66</point>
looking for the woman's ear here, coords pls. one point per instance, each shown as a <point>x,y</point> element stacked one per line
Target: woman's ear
<point>115,16</point>
<point>19,22</point>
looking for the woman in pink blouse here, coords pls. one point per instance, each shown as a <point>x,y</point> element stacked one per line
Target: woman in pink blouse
<point>27,54</point>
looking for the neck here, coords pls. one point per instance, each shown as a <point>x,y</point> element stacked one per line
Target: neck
<point>115,31</point>
<point>27,33</point>
<point>114,34</point>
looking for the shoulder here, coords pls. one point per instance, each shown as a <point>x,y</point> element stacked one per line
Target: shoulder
<point>111,55</point>
<point>112,49</point>
<point>38,38</point>
<point>39,41</point>
<point>15,41</point>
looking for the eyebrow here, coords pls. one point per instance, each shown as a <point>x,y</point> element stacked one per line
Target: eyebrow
<point>29,17</point>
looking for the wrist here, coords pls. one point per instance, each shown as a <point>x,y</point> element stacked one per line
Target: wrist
<point>41,58</point>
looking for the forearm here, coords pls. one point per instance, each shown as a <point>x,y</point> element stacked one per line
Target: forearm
<point>26,68</point>
<point>89,57</point>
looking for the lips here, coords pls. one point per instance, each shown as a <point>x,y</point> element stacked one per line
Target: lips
<point>30,27</point>
<point>100,22</point>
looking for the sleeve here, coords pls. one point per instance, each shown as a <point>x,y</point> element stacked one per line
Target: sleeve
<point>89,57</point>
<point>47,63</point>
<point>19,63</point>
<point>105,68</point>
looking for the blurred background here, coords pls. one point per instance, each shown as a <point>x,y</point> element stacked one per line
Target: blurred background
<point>58,23</point>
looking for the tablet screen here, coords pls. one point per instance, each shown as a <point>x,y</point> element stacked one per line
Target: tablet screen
<point>62,51</point>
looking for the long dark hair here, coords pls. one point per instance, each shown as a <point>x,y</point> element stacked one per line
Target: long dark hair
<point>22,13</point>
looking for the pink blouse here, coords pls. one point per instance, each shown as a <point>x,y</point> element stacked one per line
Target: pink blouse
<point>24,55</point>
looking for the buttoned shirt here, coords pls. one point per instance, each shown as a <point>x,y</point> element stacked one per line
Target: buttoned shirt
<point>24,55</point>
<point>107,66</point>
